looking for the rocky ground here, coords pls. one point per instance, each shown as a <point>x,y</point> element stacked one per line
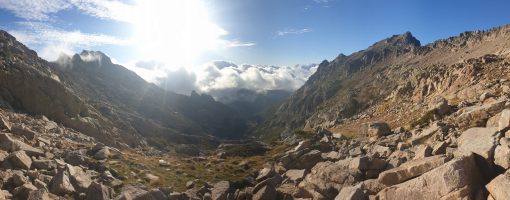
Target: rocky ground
<point>436,160</point>
<point>430,122</point>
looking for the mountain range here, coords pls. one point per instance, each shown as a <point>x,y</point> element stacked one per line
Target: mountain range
<point>398,120</point>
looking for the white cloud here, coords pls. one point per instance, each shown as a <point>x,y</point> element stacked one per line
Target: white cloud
<point>42,10</point>
<point>106,9</point>
<point>293,32</point>
<point>34,9</point>
<point>179,81</point>
<point>239,44</point>
<point>322,1</point>
<point>51,42</point>
<point>182,29</point>
<point>221,79</point>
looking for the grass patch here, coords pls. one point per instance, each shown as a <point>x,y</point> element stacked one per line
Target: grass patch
<point>425,118</point>
<point>251,148</point>
<point>183,169</point>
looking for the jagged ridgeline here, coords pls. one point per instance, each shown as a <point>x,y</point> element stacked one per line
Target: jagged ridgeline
<point>395,121</point>
<point>89,93</point>
<point>393,80</point>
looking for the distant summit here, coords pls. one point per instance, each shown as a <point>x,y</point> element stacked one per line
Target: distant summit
<point>405,39</point>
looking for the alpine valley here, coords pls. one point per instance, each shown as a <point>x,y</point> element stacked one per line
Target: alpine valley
<point>398,120</point>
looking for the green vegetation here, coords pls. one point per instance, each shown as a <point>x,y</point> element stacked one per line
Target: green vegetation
<point>425,118</point>
<point>182,169</point>
<point>251,148</point>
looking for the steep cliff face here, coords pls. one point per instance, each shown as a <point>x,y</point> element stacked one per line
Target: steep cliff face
<point>394,71</point>
<point>91,94</point>
<point>31,85</point>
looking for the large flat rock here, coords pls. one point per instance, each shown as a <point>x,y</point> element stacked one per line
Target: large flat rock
<point>481,141</point>
<point>455,179</point>
<point>411,169</point>
<point>326,179</point>
<point>499,187</point>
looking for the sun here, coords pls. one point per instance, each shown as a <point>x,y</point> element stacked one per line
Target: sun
<point>175,31</point>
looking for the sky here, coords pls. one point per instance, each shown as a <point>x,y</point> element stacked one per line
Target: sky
<point>161,38</point>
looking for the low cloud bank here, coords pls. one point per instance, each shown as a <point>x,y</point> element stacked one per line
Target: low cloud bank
<point>223,79</point>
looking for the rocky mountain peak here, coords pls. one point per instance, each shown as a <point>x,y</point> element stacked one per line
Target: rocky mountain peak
<point>404,39</point>
<point>8,43</point>
<point>94,57</point>
<point>397,43</point>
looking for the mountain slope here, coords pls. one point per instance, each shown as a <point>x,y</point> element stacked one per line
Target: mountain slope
<point>89,93</point>
<point>392,73</point>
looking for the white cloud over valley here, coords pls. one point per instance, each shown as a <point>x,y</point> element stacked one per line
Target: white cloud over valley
<point>221,78</point>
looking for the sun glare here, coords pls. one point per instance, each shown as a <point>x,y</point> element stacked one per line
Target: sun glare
<point>175,31</point>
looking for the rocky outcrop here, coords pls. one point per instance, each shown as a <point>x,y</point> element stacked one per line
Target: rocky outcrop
<point>481,141</point>
<point>456,179</point>
<point>327,178</point>
<point>498,187</point>
<point>411,170</point>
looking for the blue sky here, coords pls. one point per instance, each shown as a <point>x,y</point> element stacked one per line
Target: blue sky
<point>268,32</point>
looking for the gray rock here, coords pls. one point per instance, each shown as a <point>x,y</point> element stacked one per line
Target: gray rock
<point>308,160</point>
<point>376,129</point>
<point>504,120</point>
<point>502,156</point>
<point>455,179</point>
<point>130,191</point>
<point>265,173</point>
<point>295,175</point>
<point>266,192</point>
<point>351,193</point>
<point>274,181</point>
<point>378,151</point>
<point>477,115</point>
<point>23,191</point>
<point>80,180</point>
<point>481,141</point>
<point>75,158</point>
<point>439,148</point>
<point>220,190</point>
<point>154,194</point>
<point>19,179</point>
<point>327,178</point>
<point>40,194</point>
<point>4,123</point>
<point>177,196</point>
<point>98,191</point>
<point>360,163</point>
<point>103,153</point>
<point>24,131</point>
<point>40,184</point>
<point>440,107</point>
<point>44,164</point>
<point>422,151</point>
<point>190,184</point>
<point>411,169</point>
<point>8,144</point>
<point>498,187</point>
<point>60,184</point>
<point>3,155</point>
<point>371,186</point>
<point>377,164</point>
<point>302,145</point>
<point>332,156</point>
<point>20,160</point>
<point>4,194</point>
